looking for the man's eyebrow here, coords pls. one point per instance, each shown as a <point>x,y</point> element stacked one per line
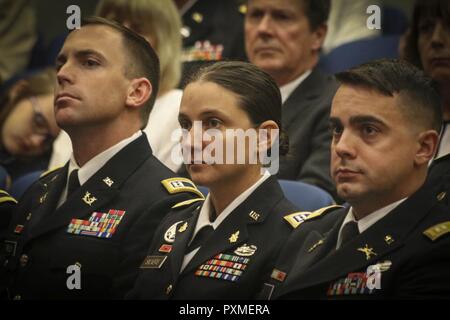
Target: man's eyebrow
<point>88,52</point>
<point>334,121</point>
<point>366,119</point>
<point>81,54</point>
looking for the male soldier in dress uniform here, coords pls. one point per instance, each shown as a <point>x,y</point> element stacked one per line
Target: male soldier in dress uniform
<point>393,240</point>
<point>71,231</point>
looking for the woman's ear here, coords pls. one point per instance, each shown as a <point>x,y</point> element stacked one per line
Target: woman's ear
<point>268,132</point>
<point>139,92</point>
<point>427,142</point>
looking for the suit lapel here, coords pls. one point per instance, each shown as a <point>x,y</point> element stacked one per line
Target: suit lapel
<point>233,231</point>
<point>317,246</point>
<point>96,192</point>
<point>47,199</point>
<point>181,242</point>
<point>369,247</point>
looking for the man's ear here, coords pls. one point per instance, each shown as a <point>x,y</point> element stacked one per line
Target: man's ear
<point>319,36</point>
<point>268,131</point>
<point>139,92</point>
<point>427,147</point>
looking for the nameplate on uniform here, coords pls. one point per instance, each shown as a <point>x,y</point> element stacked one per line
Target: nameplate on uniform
<point>100,225</point>
<point>153,262</point>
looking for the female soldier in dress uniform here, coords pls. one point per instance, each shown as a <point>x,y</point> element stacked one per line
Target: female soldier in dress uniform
<point>223,246</point>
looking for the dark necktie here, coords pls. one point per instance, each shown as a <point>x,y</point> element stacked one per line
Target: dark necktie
<point>200,238</point>
<point>73,183</point>
<point>349,232</point>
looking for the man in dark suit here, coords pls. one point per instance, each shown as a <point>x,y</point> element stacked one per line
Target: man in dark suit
<point>392,241</point>
<point>72,230</point>
<point>284,38</point>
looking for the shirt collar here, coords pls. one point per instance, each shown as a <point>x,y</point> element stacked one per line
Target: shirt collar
<point>93,165</point>
<point>369,220</point>
<point>206,210</point>
<point>288,88</point>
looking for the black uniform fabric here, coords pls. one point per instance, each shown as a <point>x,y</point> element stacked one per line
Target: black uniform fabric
<point>439,175</point>
<point>233,261</point>
<point>409,247</point>
<point>36,259</point>
<point>305,119</point>
<point>220,23</point>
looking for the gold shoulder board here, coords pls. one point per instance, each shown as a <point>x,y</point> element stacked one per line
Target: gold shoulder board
<point>5,197</point>
<point>46,173</point>
<point>297,218</point>
<point>437,231</point>
<point>177,185</point>
<point>187,203</point>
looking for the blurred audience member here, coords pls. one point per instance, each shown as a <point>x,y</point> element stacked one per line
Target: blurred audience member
<point>348,22</point>
<point>17,36</point>
<point>428,46</point>
<point>284,38</point>
<point>212,30</point>
<point>27,124</point>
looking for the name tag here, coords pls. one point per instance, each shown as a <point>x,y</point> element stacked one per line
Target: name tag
<point>153,262</point>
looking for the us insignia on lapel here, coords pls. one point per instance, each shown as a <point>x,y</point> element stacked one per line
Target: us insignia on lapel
<point>234,237</point>
<point>108,181</point>
<point>100,225</point>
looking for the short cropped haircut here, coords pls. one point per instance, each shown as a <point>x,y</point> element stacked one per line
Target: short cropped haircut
<point>257,93</point>
<point>161,20</point>
<point>142,60</point>
<point>420,100</point>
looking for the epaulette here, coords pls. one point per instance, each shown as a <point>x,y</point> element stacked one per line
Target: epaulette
<point>46,173</point>
<point>437,231</point>
<point>6,197</point>
<point>186,203</point>
<point>177,185</point>
<point>297,218</point>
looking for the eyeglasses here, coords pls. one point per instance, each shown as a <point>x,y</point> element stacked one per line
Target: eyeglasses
<point>40,123</point>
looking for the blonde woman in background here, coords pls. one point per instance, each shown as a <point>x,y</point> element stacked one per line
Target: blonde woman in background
<point>159,23</point>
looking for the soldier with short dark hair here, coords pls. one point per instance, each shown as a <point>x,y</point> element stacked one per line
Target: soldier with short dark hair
<point>392,240</point>
<point>72,230</point>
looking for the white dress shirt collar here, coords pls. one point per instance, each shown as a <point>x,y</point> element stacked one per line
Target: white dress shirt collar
<point>369,220</point>
<point>288,88</point>
<point>95,164</point>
